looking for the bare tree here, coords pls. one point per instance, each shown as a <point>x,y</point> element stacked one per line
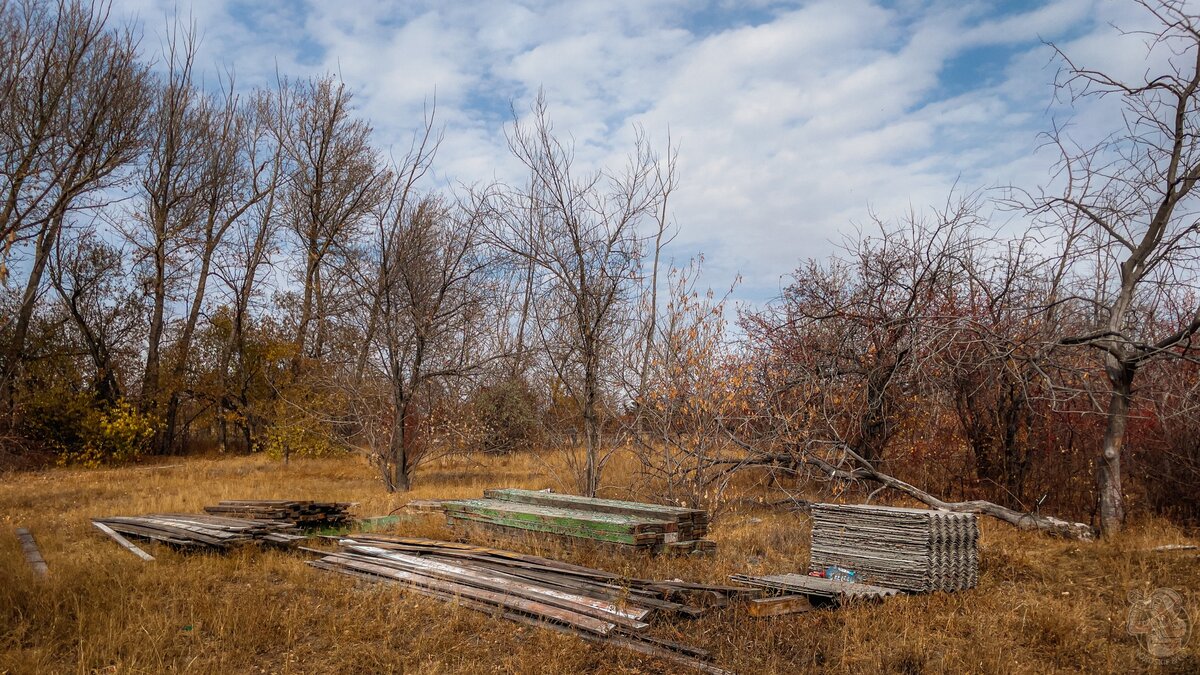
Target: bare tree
<point>232,179</point>
<point>75,96</point>
<point>843,360</point>
<point>248,256</point>
<point>334,181</point>
<point>583,235</point>
<point>687,379</point>
<point>89,276</point>
<point>169,207</point>
<point>429,301</point>
<point>859,329</point>
<point>1129,205</point>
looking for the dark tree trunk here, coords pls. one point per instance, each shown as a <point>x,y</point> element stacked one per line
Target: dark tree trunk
<point>1108,477</point>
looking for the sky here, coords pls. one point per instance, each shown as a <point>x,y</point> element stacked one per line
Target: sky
<point>795,122</point>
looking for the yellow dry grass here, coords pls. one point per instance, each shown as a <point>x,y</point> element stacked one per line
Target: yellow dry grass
<point>1042,605</point>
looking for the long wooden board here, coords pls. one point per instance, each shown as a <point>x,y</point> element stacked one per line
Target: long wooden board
<point>569,617</point>
<point>562,517</point>
<point>553,528</point>
<point>33,555</point>
<point>613,506</point>
<point>129,546</point>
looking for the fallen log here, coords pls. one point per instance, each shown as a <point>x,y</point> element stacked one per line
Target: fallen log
<point>864,470</point>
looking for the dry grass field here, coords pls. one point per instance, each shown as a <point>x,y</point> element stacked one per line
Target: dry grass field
<point>1042,605</point>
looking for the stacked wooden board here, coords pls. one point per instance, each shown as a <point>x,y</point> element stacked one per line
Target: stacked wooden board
<point>652,526</point>
<point>591,603</point>
<point>201,531</point>
<point>820,591</point>
<point>303,513</point>
<point>916,550</point>
<point>689,523</point>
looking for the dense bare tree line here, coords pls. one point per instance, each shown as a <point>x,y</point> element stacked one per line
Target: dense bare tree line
<point>245,269</point>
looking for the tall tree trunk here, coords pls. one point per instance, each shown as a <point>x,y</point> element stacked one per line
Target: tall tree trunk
<point>150,375</point>
<point>397,475</point>
<point>310,276</point>
<point>1108,470</point>
<point>591,432</point>
<point>183,351</point>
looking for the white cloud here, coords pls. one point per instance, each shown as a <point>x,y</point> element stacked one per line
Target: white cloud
<point>789,129</point>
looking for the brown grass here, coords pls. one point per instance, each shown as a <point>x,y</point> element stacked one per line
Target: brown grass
<point>1042,605</point>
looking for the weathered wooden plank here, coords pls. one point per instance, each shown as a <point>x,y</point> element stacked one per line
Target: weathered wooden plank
<point>116,536</point>
<point>613,506</point>
<point>577,619</point>
<point>556,515</point>
<point>33,555</point>
<point>552,528</point>
<point>640,644</point>
<point>784,604</point>
<point>604,610</point>
<point>690,657</point>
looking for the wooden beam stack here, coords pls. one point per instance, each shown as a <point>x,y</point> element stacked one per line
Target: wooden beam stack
<point>590,603</point>
<point>201,531</point>
<point>306,514</point>
<point>651,526</point>
<point>917,550</point>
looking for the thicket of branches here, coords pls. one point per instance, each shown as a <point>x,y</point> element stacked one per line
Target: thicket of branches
<point>190,268</point>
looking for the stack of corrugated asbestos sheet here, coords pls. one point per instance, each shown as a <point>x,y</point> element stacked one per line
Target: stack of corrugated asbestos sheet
<point>916,550</point>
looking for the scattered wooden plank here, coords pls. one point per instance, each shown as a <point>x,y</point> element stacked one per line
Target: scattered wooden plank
<point>32,554</point>
<point>777,606</point>
<point>129,546</point>
<point>593,604</point>
<point>1167,548</point>
<point>577,619</point>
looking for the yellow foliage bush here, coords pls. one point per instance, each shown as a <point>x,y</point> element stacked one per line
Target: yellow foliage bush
<point>302,440</point>
<point>112,436</point>
<point>80,431</point>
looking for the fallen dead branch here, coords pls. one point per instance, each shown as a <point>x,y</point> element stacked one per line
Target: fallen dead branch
<point>864,470</point>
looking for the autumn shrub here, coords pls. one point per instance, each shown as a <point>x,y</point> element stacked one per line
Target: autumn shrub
<point>81,431</point>
<point>507,415</point>
<point>293,438</point>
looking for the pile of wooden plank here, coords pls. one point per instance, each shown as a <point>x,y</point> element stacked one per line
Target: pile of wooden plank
<point>815,591</point>
<point>652,526</point>
<point>591,603</point>
<point>199,531</point>
<point>917,550</point>
<point>306,514</point>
